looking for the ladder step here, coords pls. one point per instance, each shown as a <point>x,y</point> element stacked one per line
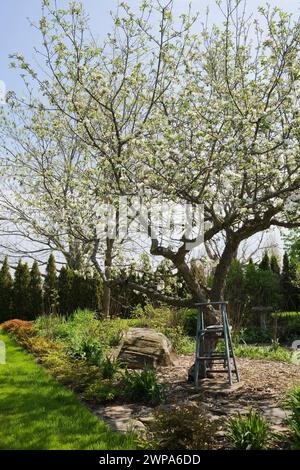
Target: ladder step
<point>213,358</point>
<point>212,330</point>
<point>220,371</point>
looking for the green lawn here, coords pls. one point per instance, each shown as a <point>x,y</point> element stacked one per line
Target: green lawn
<point>36,412</point>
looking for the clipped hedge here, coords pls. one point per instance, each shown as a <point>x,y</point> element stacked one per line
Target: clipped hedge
<point>288,325</point>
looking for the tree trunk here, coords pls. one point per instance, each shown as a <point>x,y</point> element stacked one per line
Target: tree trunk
<point>107,272</point>
<point>106,300</point>
<point>228,255</point>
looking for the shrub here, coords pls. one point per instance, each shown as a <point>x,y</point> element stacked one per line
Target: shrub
<point>101,392</point>
<point>75,373</point>
<point>248,432</point>
<point>190,322</point>
<point>143,387</point>
<point>80,333</point>
<point>13,325</point>
<point>86,347</point>
<point>288,325</point>
<point>111,330</point>
<point>271,353</point>
<point>181,343</point>
<point>184,427</point>
<point>252,336</point>
<point>109,367</point>
<point>50,326</point>
<point>84,335</point>
<point>292,403</point>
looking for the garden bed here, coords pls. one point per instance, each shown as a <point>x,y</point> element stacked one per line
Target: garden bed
<point>79,353</point>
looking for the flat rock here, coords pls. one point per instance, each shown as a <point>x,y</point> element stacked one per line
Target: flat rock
<point>218,387</point>
<point>275,414</point>
<point>124,418</point>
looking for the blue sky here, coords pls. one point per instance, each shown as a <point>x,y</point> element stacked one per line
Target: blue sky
<point>16,34</point>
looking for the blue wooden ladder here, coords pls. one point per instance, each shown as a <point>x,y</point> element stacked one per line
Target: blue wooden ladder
<point>205,357</point>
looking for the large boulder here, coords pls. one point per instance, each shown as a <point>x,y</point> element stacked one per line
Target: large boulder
<point>144,346</point>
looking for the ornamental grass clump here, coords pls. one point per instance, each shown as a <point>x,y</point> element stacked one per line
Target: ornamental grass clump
<point>248,432</point>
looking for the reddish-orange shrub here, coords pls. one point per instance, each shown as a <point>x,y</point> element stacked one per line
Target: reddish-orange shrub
<point>12,325</point>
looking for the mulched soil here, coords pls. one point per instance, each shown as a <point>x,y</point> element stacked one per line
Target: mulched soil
<point>263,386</point>
<point>261,380</point>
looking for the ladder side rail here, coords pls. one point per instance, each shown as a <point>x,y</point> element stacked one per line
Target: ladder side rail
<point>196,378</point>
<point>225,325</point>
<point>232,350</point>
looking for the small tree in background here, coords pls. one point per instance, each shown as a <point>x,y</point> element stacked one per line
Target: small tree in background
<point>51,287</point>
<point>65,282</point>
<point>262,284</point>
<point>6,290</point>
<point>235,292</point>
<point>36,290</point>
<point>251,281</point>
<point>274,265</point>
<point>288,283</point>
<point>92,292</point>
<point>78,292</point>
<point>21,292</point>
<point>264,265</point>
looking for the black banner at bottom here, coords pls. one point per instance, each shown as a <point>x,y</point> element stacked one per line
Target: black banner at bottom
<point>143,459</point>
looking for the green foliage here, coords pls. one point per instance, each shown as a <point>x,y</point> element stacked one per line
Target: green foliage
<point>292,242</point>
<point>263,288</point>
<point>70,370</point>
<point>63,295</point>
<point>180,342</point>
<point>289,284</point>
<point>21,292</point>
<point>36,291</point>
<point>181,427</point>
<point>292,403</point>
<point>77,291</point>
<point>248,432</point>
<point>6,292</point>
<point>83,334</point>
<point>109,367</point>
<point>274,265</point>
<point>288,325</point>
<point>142,387</point>
<point>263,352</point>
<point>50,326</point>
<point>86,347</point>
<point>65,280</point>
<point>235,293</point>
<point>252,335</point>
<point>190,322</point>
<point>286,315</point>
<point>264,265</point>
<point>51,287</point>
<point>252,286</point>
<point>76,373</point>
<point>101,392</point>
